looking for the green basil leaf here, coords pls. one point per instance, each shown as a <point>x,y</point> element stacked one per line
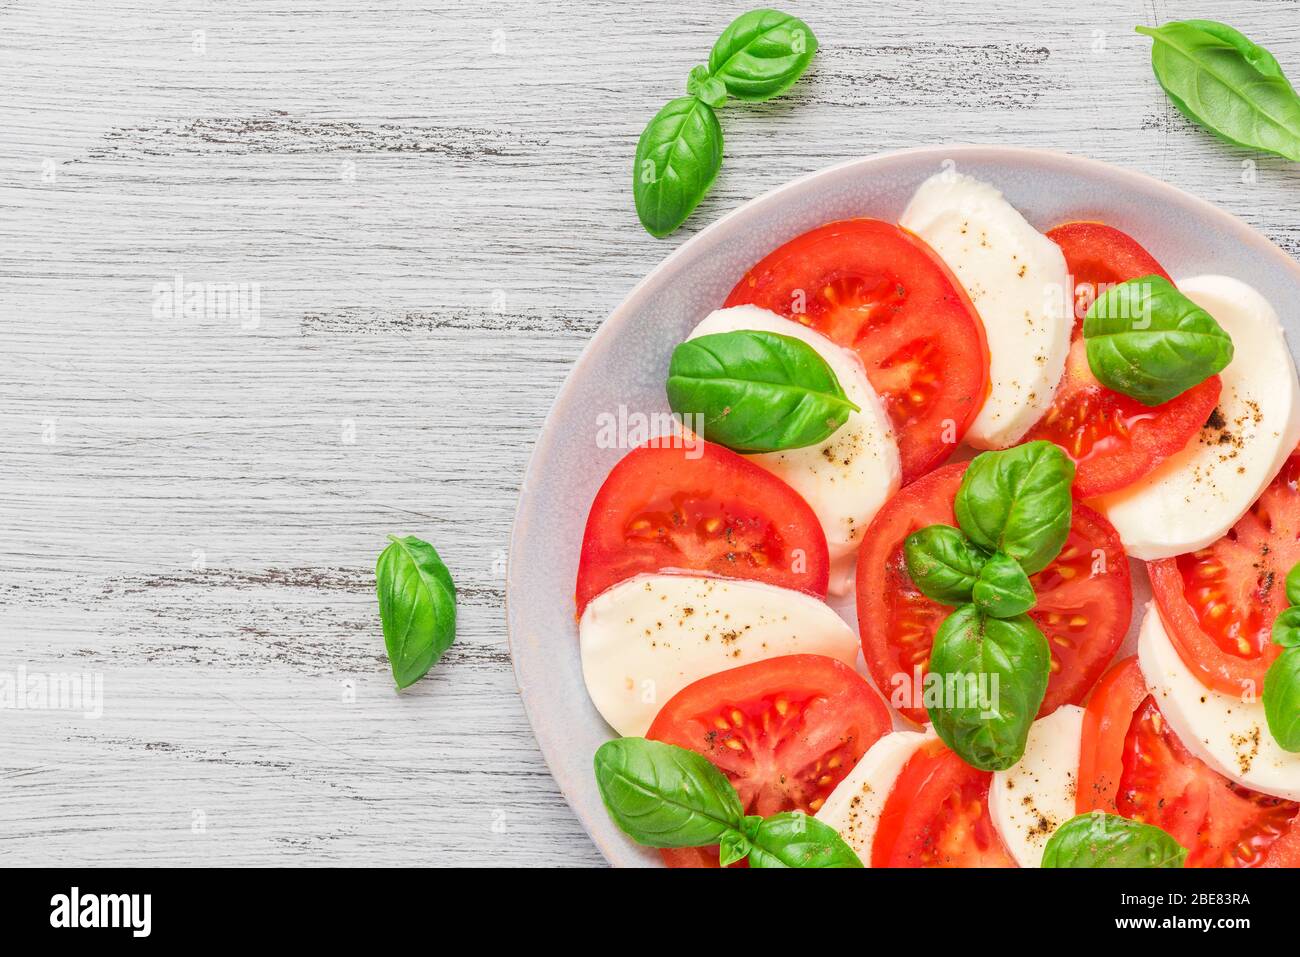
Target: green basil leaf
<point>757,391</point>
<point>1286,628</point>
<point>733,847</point>
<point>705,88</point>
<point>661,795</point>
<point>1224,82</point>
<point>762,53</point>
<point>793,839</point>
<point>1107,840</point>
<point>994,675</point>
<point>1003,589</point>
<point>943,563</point>
<point>1018,502</point>
<point>1293,584</point>
<point>1147,340</point>
<point>677,160</point>
<point>417,606</point>
<point>1282,699</point>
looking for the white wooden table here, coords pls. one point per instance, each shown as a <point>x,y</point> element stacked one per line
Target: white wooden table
<point>433,205</point>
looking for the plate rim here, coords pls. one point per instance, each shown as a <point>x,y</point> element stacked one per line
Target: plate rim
<point>622,853</point>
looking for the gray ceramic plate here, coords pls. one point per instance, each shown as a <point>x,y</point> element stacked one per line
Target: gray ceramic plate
<point>626,361</point>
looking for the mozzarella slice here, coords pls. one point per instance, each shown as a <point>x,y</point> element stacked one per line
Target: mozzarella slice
<point>1226,732</point>
<point>1194,497</point>
<point>849,476</point>
<point>647,638</point>
<point>1035,796</point>
<point>854,807</point>
<point>1017,280</point>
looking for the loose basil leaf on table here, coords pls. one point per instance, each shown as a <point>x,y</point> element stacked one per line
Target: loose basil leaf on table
<point>757,391</point>
<point>1286,628</point>
<point>1282,699</point>
<point>417,606</point>
<point>943,563</point>
<point>761,54</point>
<point>793,839</point>
<point>1148,341</point>
<point>1003,590</point>
<point>677,159</point>
<point>665,796</point>
<point>1018,502</point>
<point>1107,840</point>
<point>1223,81</point>
<point>1293,584</point>
<point>998,668</point>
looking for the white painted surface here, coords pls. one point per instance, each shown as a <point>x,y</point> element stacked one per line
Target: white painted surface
<point>436,207</point>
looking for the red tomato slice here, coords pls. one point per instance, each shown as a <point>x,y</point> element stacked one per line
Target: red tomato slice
<point>784,731</point>
<point>1218,604</point>
<point>1113,440</point>
<point>1136,766</point>
<point>1085,598</point>
<point>877,289</point>
<point>1099,256</point>
<point>707,511</point>
<point>937,815</point>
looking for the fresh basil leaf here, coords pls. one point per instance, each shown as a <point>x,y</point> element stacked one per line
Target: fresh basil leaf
<point>1148,341</point>
<point>943,563</point>
<point>1018,502</point>
<point>994,675</point>
<point>661,795</point>
<point>1221,80</point>
<point>733,847</point>
<point>757,391</point>
<point>417,606</point>
<point>1286,628</point>
<point>1282,699</point>
<point>677,160</point>
<point>793,839</point>
<point>1293,584</point>
<point>762,53</point>
<point>705,88</point>
<point>1003,590</point>
<point>1107,840</point>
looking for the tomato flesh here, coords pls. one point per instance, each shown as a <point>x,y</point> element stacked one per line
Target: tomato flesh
<point>785,731</point>
<point>1085,597</point>
<point>704,510</point>
<point>879,290</point>
<point>937,815</point>
<point>1219,603</point>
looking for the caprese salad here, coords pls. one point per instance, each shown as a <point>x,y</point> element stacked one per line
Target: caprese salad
<point>970,426</point>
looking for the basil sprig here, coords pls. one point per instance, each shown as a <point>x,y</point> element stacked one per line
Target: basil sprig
<point>1148,341</point>
<point>1282,680</point>
<point>1003,590</point>
<point>998,670</point>
<point>1221,80</point>
<point>661,795</point>
<point>1107,840</point>
<point>417,606</point>
<point>757,391</point>
<point>1018,502</point>
<point>759,56</point>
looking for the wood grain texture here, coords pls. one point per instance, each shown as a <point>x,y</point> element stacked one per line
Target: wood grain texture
<point>434,203</point>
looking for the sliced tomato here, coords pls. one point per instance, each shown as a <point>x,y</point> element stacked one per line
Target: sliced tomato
<point>1113,440</point>
<point>1218,604</point>
<point>785,731</point>
<point>1100,256</point>
<point>1132,763</point>
<point>937,815</point>
<point>702,509</point>
<point>877,289</point>
<point>1085,597</point>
